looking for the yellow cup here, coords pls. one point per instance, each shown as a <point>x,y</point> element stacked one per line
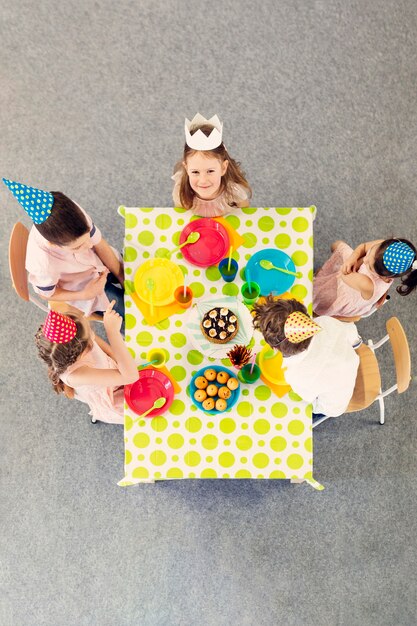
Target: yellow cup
<point>158,355</point>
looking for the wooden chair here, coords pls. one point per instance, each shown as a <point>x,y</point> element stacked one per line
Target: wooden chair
<point>17,257</point>
<point>368,379</point>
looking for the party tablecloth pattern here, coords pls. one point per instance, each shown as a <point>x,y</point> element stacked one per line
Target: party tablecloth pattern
<point>262,436</point>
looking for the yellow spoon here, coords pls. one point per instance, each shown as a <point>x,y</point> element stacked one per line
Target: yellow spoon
<point>158,404</point>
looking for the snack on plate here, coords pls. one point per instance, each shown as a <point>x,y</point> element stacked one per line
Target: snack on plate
<point>201,382</point>
<point>200,395</point>
<point>212,390</point>
<point>225,393</point>
<point>232,383</point>
<point>210,374</point>
<point>220,325</point>
<point>223,377</point>
<point>221,404</point>
<point>214,395</point>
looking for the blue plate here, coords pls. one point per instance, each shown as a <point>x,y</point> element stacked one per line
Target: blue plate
<point>270,281</point>
<point>230,402</point>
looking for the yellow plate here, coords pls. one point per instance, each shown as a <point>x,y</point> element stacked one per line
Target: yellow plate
<point>272,368</point>
<point>166,276</point>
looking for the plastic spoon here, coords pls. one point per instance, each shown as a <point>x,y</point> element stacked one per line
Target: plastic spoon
<point>192,238</point>
<point>150,286</point>
<point>159,403</point>
<point>147,363</point>
<point>267,265</point>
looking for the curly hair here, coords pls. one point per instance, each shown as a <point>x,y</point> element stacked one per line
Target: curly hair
<point>59,356</point>
<point>232,175</point>
<point>270,317</point>
<point>408,278</point>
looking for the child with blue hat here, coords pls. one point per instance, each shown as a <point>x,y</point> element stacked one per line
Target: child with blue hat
<point>351,282</point>
<point>67,258</point>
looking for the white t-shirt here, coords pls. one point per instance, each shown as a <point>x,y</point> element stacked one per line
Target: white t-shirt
<point>325,373</point>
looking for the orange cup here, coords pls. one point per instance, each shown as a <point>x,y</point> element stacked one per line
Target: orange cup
<point>186,300</point>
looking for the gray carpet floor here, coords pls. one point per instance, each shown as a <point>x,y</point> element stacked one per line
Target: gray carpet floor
<point>318,99</point>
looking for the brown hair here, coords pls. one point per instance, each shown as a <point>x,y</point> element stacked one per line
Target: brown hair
<point>409,282</point>
<point>270,317</point>
<point>232,175</point>
<point>59,356</point>
<point>66,222</point>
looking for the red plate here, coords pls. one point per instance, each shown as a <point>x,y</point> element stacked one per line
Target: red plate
<point>150,386</point>
<point>212,246</point>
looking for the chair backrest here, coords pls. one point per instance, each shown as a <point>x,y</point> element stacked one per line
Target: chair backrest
<point>17,257</point>
<point>401,353</point>
<point>368,380</point>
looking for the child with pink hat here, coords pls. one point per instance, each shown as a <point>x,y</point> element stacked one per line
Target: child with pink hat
<point>67,258</point>
<point>83,366</point>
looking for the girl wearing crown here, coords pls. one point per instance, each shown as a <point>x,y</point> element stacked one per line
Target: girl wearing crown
<point>67,258</point>
<point>320,361</point>
<point>83,366</point>
<point>351,282</point>
<point>207,180</point>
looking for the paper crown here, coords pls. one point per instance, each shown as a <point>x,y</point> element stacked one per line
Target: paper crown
<point>59,328</point>
<point>398,257</point>
<point>299,326</point>
<point>200,141</point>
<point>37,203</point>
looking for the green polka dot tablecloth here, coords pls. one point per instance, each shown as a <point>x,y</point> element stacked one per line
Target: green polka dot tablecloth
<point>262,436</point>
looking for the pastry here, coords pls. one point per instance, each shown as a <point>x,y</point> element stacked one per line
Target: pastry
<point>210,374</point>
<point>223,377</point>
<point>212,390</point>
<point>221,404</point>
<point>201,382</point>
<point>200,395</point>
<point>224,392</point>
<point>219,325</point>
<point>208,404</point>
<point>232,383</point>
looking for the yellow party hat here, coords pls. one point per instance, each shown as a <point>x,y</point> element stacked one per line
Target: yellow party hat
<point>299,326</point>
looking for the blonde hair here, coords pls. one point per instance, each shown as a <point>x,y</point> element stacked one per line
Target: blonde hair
<point>59,356</point>
<point>233,174</point>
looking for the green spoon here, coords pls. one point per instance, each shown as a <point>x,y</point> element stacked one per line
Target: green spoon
<point>150,286</point>
<point>159,403</point>
<point>192,238</point>
<point>270,354</point>
<point>267,265</point>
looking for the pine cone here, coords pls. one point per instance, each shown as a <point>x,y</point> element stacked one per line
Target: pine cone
<point>239,355</point>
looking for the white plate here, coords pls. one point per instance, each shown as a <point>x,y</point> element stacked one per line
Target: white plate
<point>219,350</point>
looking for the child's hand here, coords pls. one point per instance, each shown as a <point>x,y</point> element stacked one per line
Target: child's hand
<point>111,319</point>
<point>351,265</point>
<point>96,286</point>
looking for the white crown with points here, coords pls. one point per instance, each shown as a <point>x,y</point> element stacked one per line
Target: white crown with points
<point>200,141</point>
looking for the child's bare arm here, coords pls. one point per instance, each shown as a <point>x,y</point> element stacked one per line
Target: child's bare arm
<point>104,346</point>
<point>353,263</point>
<point>126,371</point>
<point>361,283</point>
<point>109,259</point>
<point>92,289</point>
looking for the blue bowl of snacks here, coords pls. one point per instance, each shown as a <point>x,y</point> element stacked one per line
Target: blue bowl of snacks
<point>214,389</point>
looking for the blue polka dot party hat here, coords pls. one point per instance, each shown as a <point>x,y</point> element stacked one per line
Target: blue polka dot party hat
<point>37,203</point>
<point>398,257</point>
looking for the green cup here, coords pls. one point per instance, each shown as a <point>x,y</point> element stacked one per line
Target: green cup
<point>250,292</point>
<point>246,376</point>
